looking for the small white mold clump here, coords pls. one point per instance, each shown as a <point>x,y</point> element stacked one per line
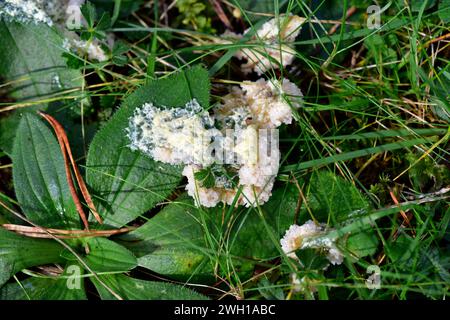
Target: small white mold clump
<point>273,42</point>
<point>303,284</point>
<point>91,49</point>
<point>299,237</point>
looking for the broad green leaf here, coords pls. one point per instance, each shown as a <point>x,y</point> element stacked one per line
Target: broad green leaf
<point>31,61</point>
<point>401,249</point>
<point>250,237</point>
<point>18,252</point>
<point>133,289</point>
<point>107,256</point>
<point>330,196</point>
<point>310,259</point>
<point>416,5</point>
<point>39,176</point>
<point>172,243</point>
<point>444,11</point>
<point>128,183</point>
<point>362,244</point>
<point>52,288</point>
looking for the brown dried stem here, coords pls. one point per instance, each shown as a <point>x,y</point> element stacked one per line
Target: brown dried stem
<point>40,232</point>
<point>68,158</point>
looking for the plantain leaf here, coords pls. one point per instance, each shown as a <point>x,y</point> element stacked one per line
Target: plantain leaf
<point>52,288</point>
<point>172,242</point>
<point>128,183</point>
<point>39,177</point>
<point>31,61</point>
<point>18,252</point>
<point>108,256</point>
<point>134,289</point>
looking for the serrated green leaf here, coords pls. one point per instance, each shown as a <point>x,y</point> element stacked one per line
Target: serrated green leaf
<point>104,23</point>
<point>269,291</point>
<point>441,108</point>
<point>39,176</point>
<point>401,249</point>
<point>107,256</point>
<point>362,244</point>
<point>118,53</point>
<point>133,289</point>
<point>331,196</point>
<point>205,177</point>
<point>310,259</point>
<point>73,61</point>
<point>89,13</point>
<point>250,238</point>
<point>128,183</point>
<point>18,252</point>
<point>444,11</point>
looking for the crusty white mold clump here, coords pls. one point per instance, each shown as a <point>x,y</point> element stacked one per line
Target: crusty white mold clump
<point>172,135</point>
<point>273,42</point>
<point>269,103</point>
<point>182,135</point>
<point>299,237</point>
<point>255,105</point>
<point>24,11</point>
<point>39,11</point>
